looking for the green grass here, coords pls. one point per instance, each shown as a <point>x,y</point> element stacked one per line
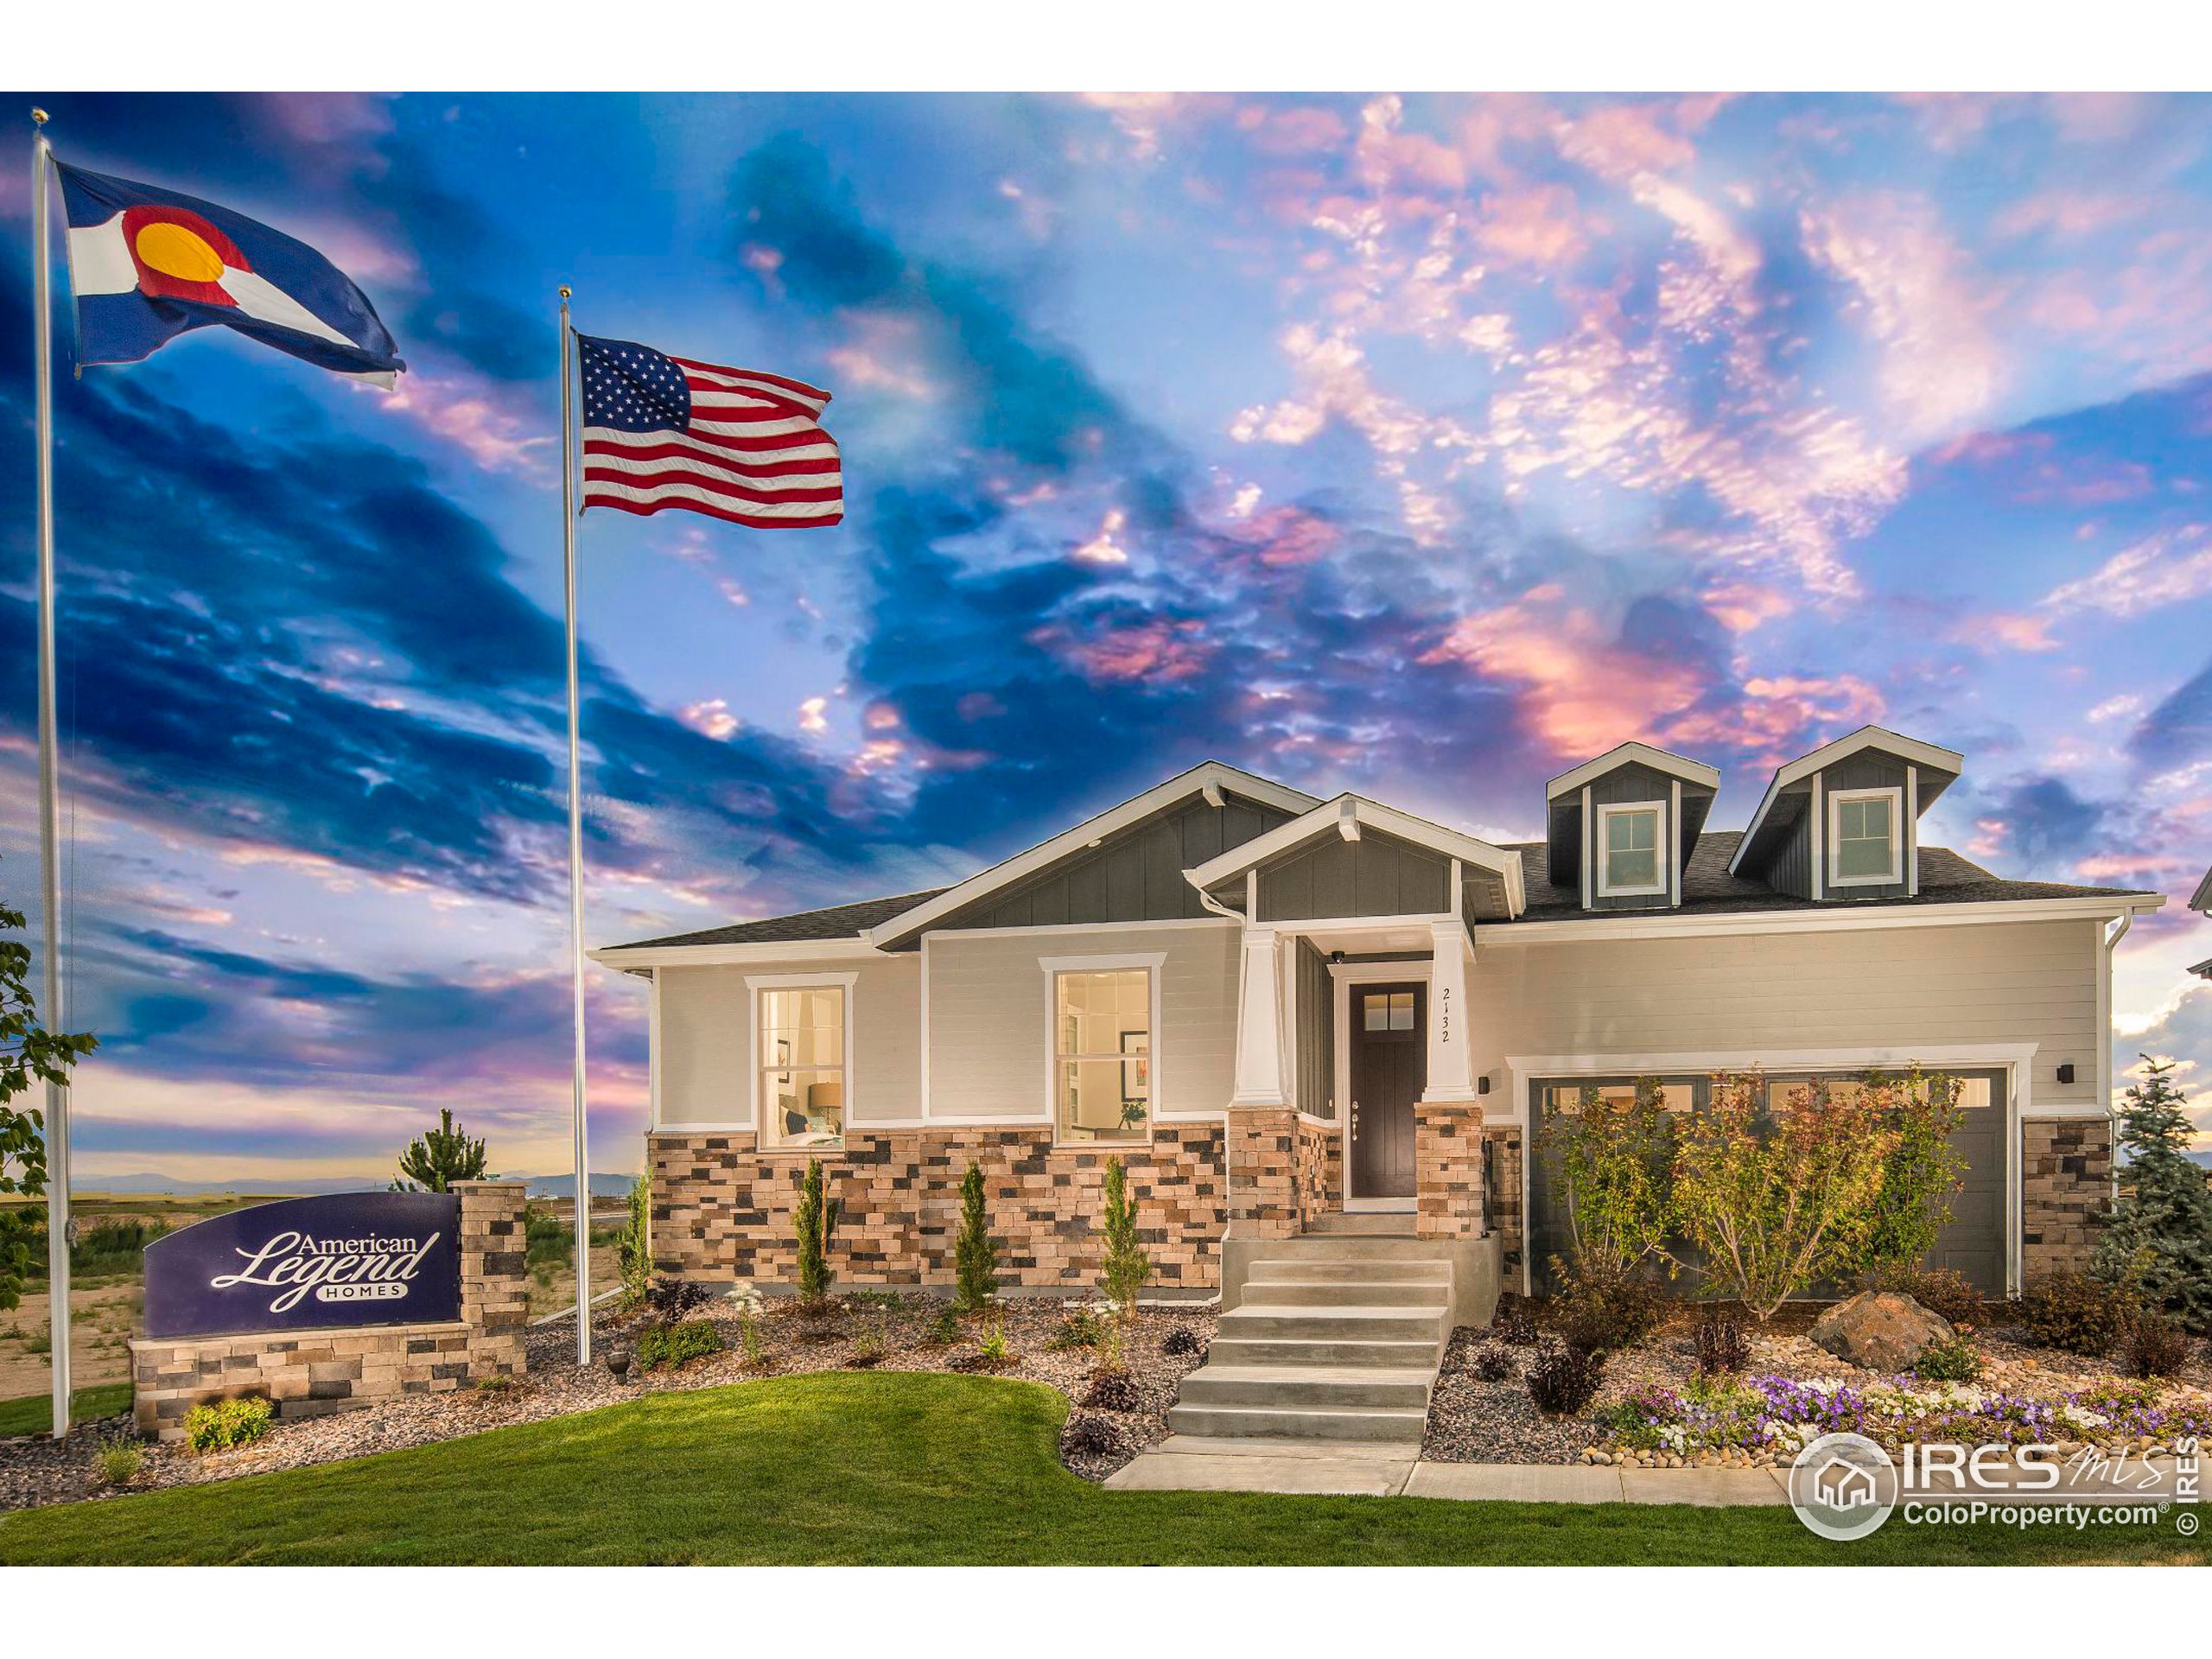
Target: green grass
<point>904,1468</point>
<point>34,1413</point>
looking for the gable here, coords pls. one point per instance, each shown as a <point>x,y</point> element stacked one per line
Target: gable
<point>1379,874</point>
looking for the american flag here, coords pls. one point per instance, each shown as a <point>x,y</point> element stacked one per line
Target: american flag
<point>663,431</point>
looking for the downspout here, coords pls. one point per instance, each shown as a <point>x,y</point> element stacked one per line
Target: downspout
<point>2115,930</point>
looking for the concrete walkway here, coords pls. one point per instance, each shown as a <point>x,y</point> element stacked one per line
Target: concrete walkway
<point>1191,1463</point>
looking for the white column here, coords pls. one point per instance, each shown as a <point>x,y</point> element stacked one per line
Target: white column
<point>1259,1023</point>
<point>1451,1056</point>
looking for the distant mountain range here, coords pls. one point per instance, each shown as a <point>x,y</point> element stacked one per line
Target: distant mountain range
<point>541,1186</point>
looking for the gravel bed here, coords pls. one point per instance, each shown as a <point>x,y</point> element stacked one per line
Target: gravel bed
<point>36,1471</point>
<point>1473,1421</point>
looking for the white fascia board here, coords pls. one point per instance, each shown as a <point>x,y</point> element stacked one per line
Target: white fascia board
<point>631,959</point>
<point>1659,924</point>
<point>1329,817</point>
<point>2201,898</point>
<point>1912,749</point>
<point>1660,760</point>
<point>1197,781</point>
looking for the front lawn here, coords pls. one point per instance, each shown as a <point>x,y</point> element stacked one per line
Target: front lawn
<point>34,1413</point>
<point>912,1468</point>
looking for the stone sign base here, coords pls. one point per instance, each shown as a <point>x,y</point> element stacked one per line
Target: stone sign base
<point>305,1373</point>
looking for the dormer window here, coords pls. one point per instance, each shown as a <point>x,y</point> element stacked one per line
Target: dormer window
<point>1629,861</point>
<point>1865,847</point>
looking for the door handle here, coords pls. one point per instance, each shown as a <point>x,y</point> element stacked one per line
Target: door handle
<point>1355,1120</point>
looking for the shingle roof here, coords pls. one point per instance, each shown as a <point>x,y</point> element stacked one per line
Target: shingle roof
<point>837,922</point>
<point>1708,889</point>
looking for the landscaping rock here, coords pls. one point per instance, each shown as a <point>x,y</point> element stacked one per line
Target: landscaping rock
<point>1879,1330</point>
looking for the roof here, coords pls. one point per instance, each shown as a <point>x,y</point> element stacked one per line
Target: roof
<point>1344,816</point>
<point>2201,898</point>
<point>1945,764</point>
<point>837,922</point>
<point>1660,760</point>
<point>1709,889</point>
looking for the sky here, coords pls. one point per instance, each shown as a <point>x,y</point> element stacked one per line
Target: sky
<point>1422,446</point>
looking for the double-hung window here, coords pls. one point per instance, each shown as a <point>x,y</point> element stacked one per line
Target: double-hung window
<point>1866,845</point>
<point>803,1058</point>
<point>1631,857</point>
<point>1101,1052</point>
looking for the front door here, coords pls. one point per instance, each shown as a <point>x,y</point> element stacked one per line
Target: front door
<point>1389,1067</point>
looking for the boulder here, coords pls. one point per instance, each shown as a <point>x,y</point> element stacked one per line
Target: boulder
<point>1880,1330</point>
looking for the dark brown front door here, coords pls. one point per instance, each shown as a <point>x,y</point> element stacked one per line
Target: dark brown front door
<point>1389,1065</point>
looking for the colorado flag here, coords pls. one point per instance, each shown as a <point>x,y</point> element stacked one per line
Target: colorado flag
<point>148,265</point>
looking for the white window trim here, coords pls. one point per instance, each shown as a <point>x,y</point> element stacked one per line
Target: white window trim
<point>756,983</point>
<point>1660,840</point>
<point>1152,962</point>
<point>1836,800</point>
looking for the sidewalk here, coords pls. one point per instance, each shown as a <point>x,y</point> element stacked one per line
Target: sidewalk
<point>1186,1463</point>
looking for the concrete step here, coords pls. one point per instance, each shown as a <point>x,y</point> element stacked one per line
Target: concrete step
<point>1275,1320</point>
<point>1370,1224</point>
<point>1388,1355</point>
<point>1338,1269</point>
<point>1405,1424</point>
<point>1356,1246</point>
<point>1358,1293</point>
<point>1306,1386</point>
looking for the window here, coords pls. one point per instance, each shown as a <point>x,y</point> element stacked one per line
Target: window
<point>1386,1011</point>
<point>1629,861</point>
<point>1865,848</point>
<point>1101,1053</point>
<point>803,1061</point>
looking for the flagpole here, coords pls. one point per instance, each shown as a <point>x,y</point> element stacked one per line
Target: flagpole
<point>49,797</point>
<point>575,835</point>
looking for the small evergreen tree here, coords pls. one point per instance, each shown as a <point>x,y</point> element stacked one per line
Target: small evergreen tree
<point>1126,1267</point>
<point>975,1257</point>
<point>437,1158</point>
<point>816,1220</point>
<point>2159,1237</point>
<point>634,1250</point>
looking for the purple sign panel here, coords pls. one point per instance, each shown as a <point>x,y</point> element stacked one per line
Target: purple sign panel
<point>350,1259</point>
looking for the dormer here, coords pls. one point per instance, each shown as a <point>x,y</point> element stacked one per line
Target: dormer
<point>1622,827</point>
<point>1843,821</point>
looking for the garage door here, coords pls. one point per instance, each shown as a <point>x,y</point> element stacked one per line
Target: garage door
<point>1973,1243</point>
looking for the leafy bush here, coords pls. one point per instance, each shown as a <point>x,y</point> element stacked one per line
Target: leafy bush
<point>118,1463</point>
<point>2153,1346</point>
<point>1920,1170</point>
<point>1112,1389</point>
<point>1723,1347</point>
<point>1563,1380</point>
<point>1492,1364</point>
<point>670,1346</point>
<point>1080,1328</point>
<point>672,1299</point>
<point>1616,1178</point>
<point>944,1327</point>
<point>813,1222</point>
<point>1777,1198</point>
<point>226,1423</point>
<point>1954,1359</point>
<point>868,1348</point>
<point>995,1346</point>
<point>1601,1315</point>
<point>1515,1322</point>
<point>1944,1291</point>
<point>1182,1340</point>
<point>976,1257</point>
<point>1090,1437</point>
<point>2157,1238</point>
<point>2076,1313</point>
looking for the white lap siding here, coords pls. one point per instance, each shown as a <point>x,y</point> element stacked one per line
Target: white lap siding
<point>1745,993</point>
<point>706,1048</point>
<point>989,1025</point>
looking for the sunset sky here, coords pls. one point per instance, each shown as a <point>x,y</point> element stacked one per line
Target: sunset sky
<point>1421,446</point>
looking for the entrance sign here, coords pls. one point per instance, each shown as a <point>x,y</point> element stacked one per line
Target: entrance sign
<point>349,1259</point>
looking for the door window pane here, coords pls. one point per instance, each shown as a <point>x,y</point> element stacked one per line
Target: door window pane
<point>1386,1011</point>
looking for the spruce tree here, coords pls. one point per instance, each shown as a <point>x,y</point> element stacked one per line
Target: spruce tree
<point>2158,1235</point>
<point>437,1158</point>
<point>817,1218</point>
<point>975,1257</point>
<point>1127,1266</point>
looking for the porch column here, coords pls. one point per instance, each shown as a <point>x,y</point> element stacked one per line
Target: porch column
<point>1449,1199</point>
<point>1260,1149</point>
<point>1259,1023</point>
<point>1451,1056</point>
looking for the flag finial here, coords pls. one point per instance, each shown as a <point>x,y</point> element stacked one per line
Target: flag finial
<point>38,117</point>
<point>564,290</point>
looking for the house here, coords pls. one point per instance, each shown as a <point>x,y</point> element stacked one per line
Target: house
<point>2200,902</point>
<point>1296,1018</point>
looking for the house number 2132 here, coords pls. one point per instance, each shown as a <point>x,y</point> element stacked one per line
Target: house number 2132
<point>1444,1015</point>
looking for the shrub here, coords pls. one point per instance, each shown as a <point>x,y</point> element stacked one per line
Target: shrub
<point>113,1247</point>
<point>944,1327</point>
<point>1080,1328</point>
<point>1112,1389</point>
<point>118,1463</point>
<point>890,1301</point>
<point>498,1384</point>
<point>2076,1313</point>
<point>1920,1170</point>
<point>1126,1267</point>
<point>868,1348</point>
<point>226,1423</point>
<point>1492,1364</point>
<point>2159,1237</point>
<point>1601,1315</point>
<point>670,1346</point>
<point>1563,1380</point>
<point>814,1221</point>
<point>1723,1347</point>
<point>2153,1346</point>
<point>1944,1291</point>
<point>1777,1199</point>
<point>1616,1178</point>
<point>751,1342</point>
<point>547,1241</point>
<point>1954,1359</point>
<point>1090,1437</point>
<point>1182,1340</point>
<point>633,1247</point>
<point>995,1346</point>
<point>1514,1322</point>
<point>672,1299</point>
<point>975,1258</point>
